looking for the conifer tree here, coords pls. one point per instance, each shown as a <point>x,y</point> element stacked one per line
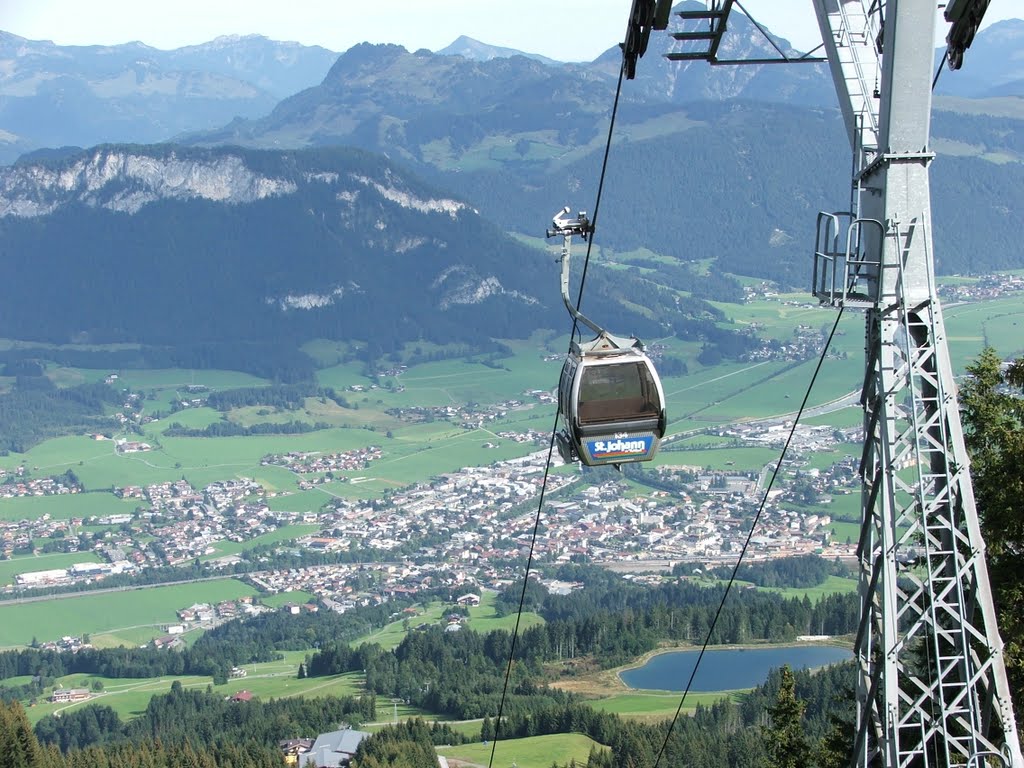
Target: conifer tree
<point>785,741</point>
<point>18,745</point>
<point>993,415</point>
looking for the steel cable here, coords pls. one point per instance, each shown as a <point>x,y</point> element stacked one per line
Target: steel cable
<point>554,430</point>
<point>750,535</point>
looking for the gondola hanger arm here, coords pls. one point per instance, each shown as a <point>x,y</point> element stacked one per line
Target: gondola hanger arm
<point>562,225</point>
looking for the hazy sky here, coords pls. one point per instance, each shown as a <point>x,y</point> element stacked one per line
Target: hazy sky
<point>568,30</point>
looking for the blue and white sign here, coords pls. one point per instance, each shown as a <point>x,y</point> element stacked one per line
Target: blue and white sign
<point>620,448</point>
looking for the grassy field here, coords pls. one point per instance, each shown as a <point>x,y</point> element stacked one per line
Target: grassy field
<point>299,501</point>
<point>282,598</point>
<point>825,459</point>
<point>130,637</point>
<point>274,679</point>
<point>482,619</point>
<point>192,418</point>
<point>66,506</point>
<point>841,531</point>
<point>180,378</point>
<point>152,607</point>
<point>851,416</point>
<point>281,534</point>
<point>531,752</point>
<point>658,706</point>
<point>998,323</point>
<point>833,585</point>
<point>457,380</point>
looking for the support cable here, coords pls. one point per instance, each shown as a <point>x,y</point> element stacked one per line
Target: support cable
<point>762,30</point>
<point>750,535</point>
<point>554,430</point>
<point>597,201</point>
<point>942,65</point>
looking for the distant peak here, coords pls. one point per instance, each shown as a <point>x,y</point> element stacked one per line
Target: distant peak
<point>472,49</point>
<point>223,39</point>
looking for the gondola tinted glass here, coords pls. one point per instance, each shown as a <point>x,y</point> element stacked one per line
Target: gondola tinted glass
<point>615,393</point>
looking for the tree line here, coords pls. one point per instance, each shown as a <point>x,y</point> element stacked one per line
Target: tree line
<point>277,362</point>
<point>609,622</point>
<point>289,397</point>
<point>234,643</point>
<point>993,415</point>
<point>205,719</point>
<point>803,571</point>
<point>35,409</point>
<point>233,429</point>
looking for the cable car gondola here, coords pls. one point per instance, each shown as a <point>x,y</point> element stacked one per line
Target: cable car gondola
<point>609,395</point>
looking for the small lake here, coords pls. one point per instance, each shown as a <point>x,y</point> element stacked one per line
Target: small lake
<point>728,668</point>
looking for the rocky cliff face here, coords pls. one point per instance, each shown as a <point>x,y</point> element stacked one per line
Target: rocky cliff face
<point>123,180</point>
<point>256,243</point>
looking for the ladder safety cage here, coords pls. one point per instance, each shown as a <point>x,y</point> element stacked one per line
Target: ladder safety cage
<point>843,273</point>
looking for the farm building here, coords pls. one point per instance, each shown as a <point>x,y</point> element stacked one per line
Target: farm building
<point>334,749</point>
<point>65,695</point>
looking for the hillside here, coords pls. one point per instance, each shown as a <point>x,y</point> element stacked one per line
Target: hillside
<point>163,245</point>
<point>172,246</point>
<point>723,163</point>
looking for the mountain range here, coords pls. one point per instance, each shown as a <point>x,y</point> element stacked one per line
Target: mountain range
<point>168,245</point>
<point>520,138</point>
<point>158,244</point>
<point>55,96</point>
<point>375,204</point>
<point>52,96</point>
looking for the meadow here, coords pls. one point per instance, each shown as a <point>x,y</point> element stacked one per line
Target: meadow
<point>295,597</point>
<point>531,752</point>
<point>66,506</point>
<point>833,585</point>
<point>482,618</point>
<point>998,323</point>
<point>85,613</point>
<point>273,679</point>
<point>285,533</point>
<point>653,706</point>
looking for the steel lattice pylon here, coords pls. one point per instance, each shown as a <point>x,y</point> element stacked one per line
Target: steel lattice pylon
<point>932,688</point>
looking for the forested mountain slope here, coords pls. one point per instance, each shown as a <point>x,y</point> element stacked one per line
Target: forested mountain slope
<point>172,246</point>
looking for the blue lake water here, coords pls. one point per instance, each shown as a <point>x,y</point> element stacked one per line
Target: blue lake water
<point>729,668</point>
